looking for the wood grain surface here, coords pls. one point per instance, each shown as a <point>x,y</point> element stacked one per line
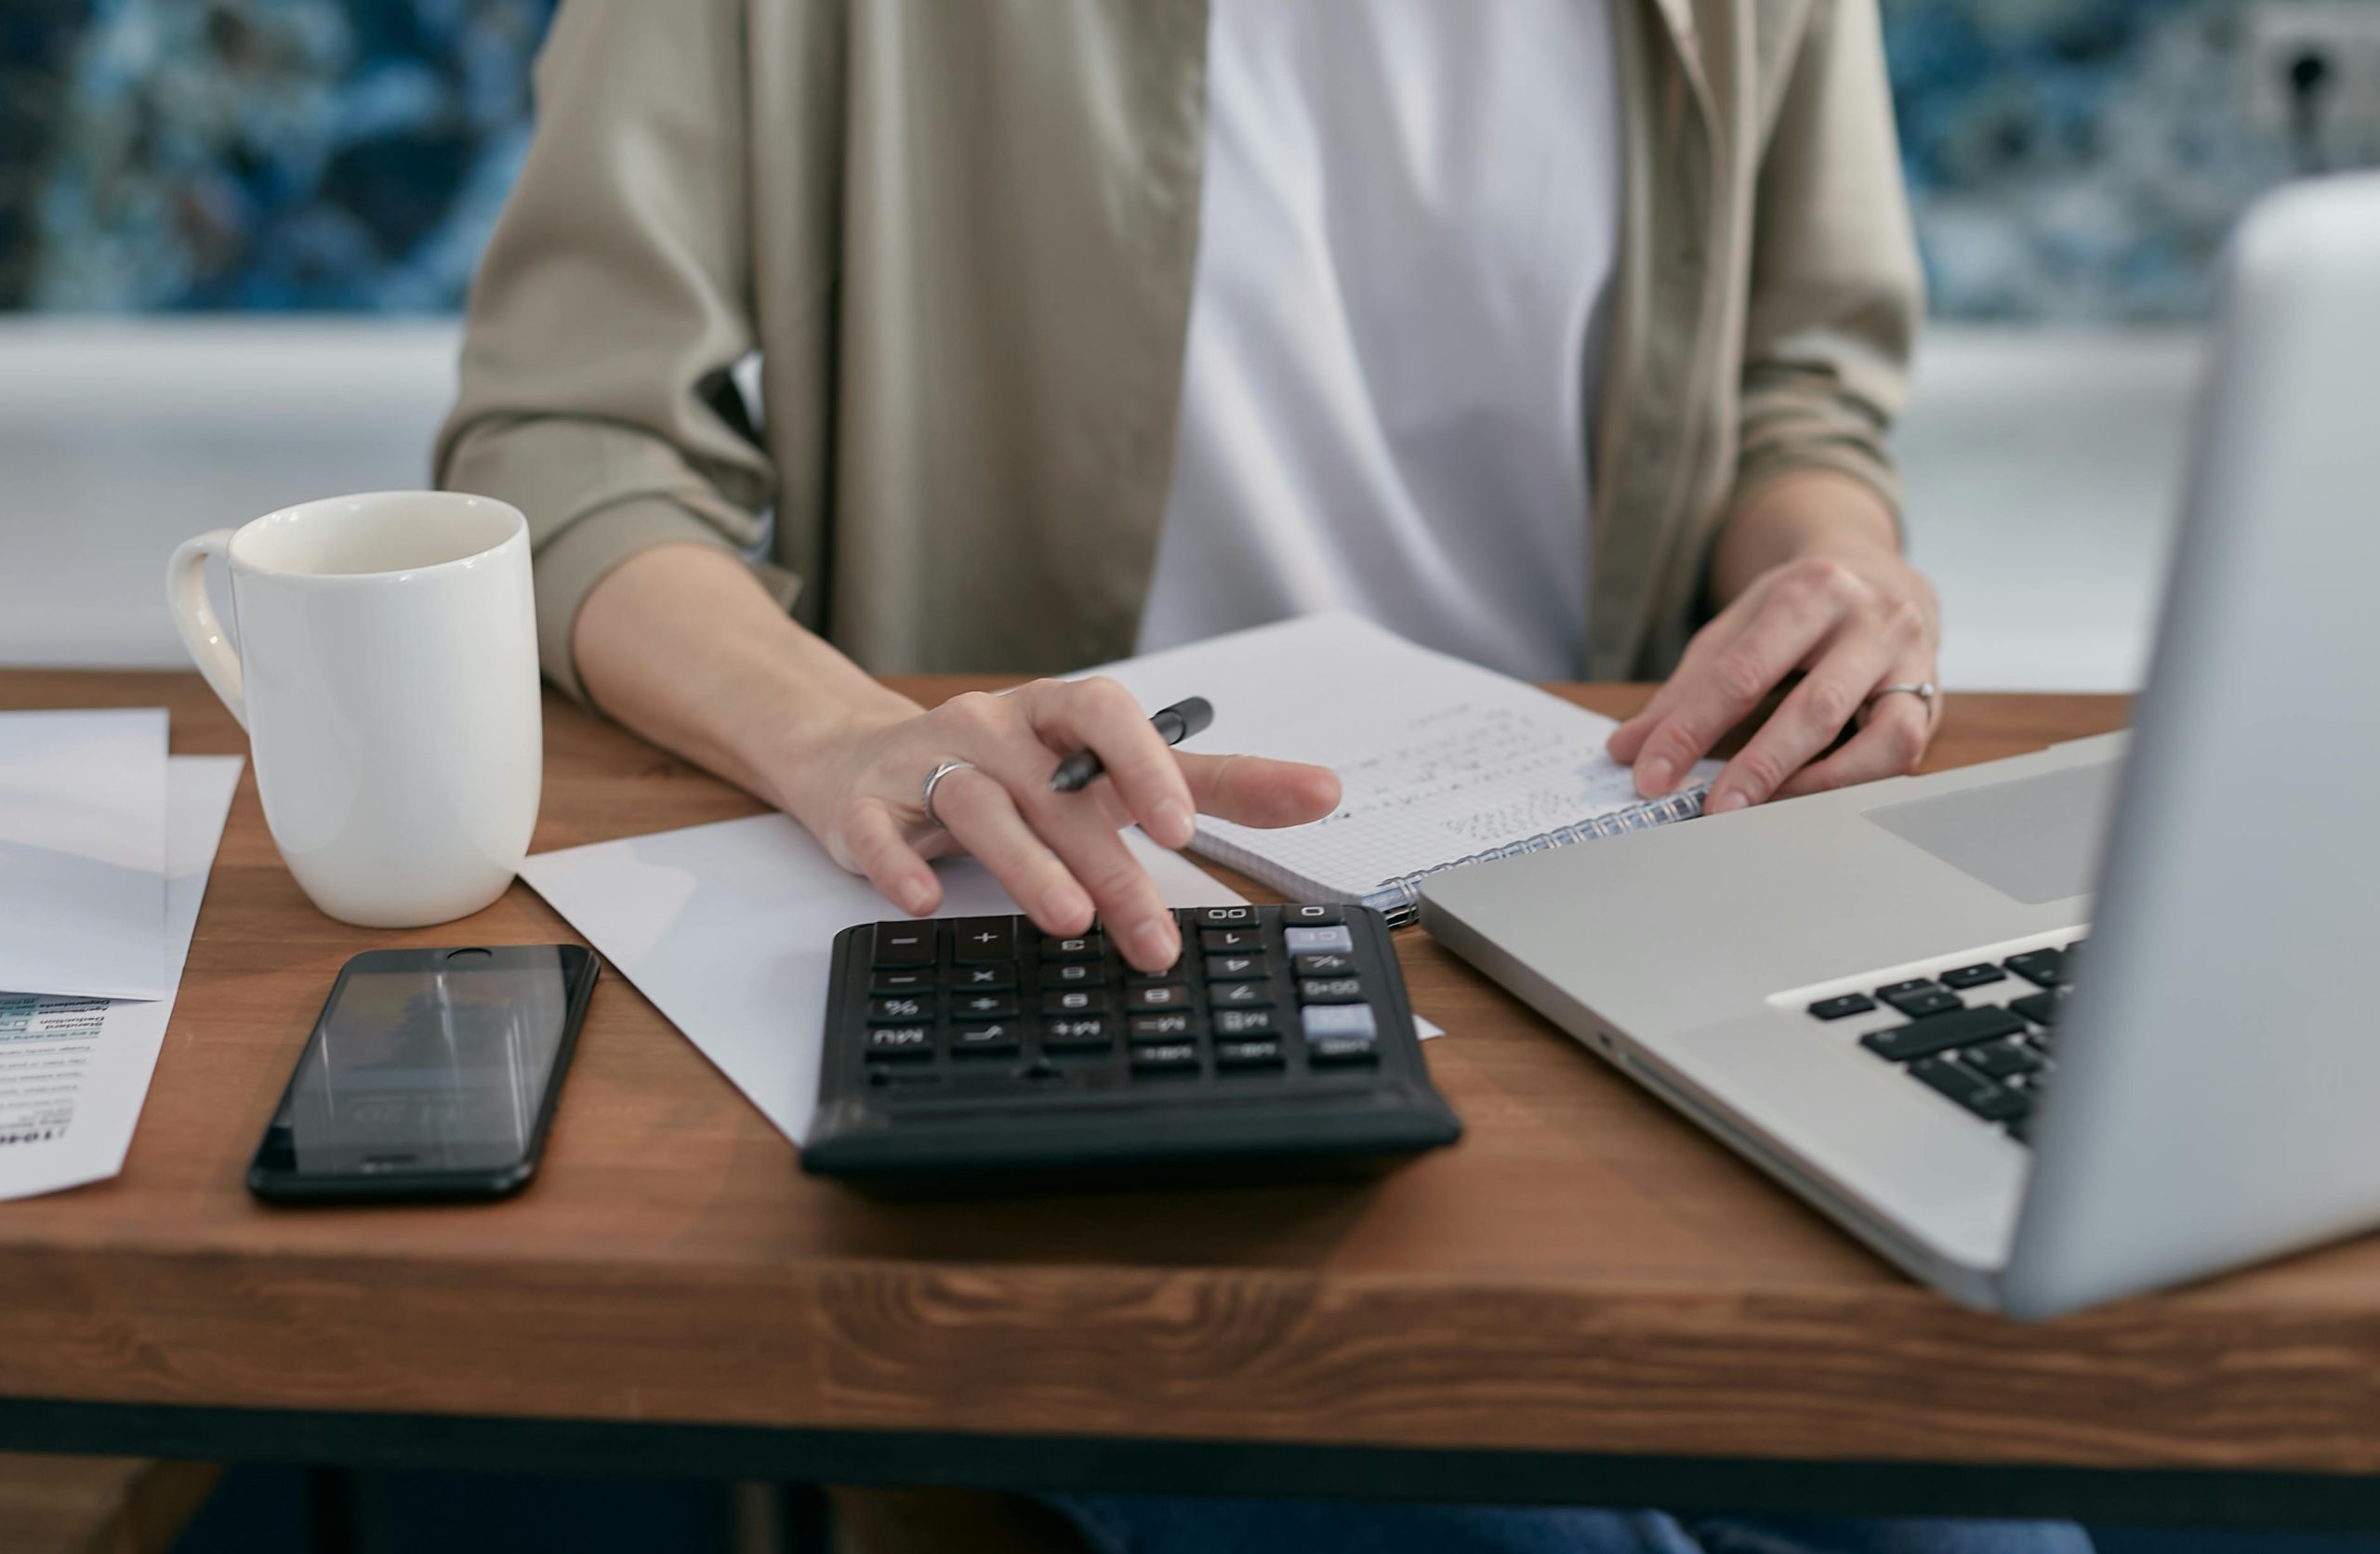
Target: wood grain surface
<point>1584,1272</point>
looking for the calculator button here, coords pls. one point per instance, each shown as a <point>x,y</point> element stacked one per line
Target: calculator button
<point>1264,1053</point>
<point>1338,1020</point>
<point>1159,1027</point>
<point>1318,941</point>
<point>976,940</point>
<point>984,1006</point>
<point>1074,973</point>
<point>1239,996</point>
<point>1162,995</point>
<point>983,978</point>
<point>1311,916</point>
<point>884,982</point>
<point>1327,1050</point>
<point>904,943</point>
<point>995,1040</point>
<point>1180,1057</point>
<point>1236,968</point>
<point>899,1043</point>
<point>1091,947</point>
<point>1243,1022</point>
<point>1225,918</point>
<point>1330,990</point>
<point>1075,1000</point>
<point>1843,1007</point>
<point>1074,1036</point>
<point>1330,963</point>
<point>1245,941</point>
<point>901,1010</point>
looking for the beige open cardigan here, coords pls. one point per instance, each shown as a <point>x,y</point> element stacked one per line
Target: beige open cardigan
<point>962,233</point>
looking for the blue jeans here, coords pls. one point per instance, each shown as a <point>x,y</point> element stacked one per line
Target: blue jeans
<point>1160,1524</point>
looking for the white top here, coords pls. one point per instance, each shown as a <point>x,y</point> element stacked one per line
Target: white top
<point>1409,225</point>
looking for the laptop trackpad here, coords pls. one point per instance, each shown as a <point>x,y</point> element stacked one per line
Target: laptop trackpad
<point>2036,838</point>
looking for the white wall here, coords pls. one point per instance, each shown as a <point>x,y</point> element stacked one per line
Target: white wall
<point>2040,472</point>
<point>121,439</point>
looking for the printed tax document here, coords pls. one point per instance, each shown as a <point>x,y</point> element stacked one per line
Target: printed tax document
<point>728,928</point>
<point>74,1072</point>
<point>1440,759</point>
<point>83,852</point>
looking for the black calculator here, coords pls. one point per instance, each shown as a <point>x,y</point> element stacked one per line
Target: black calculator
<point>971,1047</point>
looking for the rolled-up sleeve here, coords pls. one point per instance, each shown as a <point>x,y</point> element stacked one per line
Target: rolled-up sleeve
<point>1836,288</point>
<point>611,306</point>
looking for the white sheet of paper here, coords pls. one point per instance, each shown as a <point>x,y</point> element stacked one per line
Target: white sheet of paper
<point>83,852</point>
<point>727,928</point>
<point>74,1072</point>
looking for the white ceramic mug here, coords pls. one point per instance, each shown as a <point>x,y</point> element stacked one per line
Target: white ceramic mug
<point>384,663</point>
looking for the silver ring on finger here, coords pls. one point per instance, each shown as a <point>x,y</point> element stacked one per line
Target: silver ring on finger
<point>1927,692</point>
<point>933,779</point>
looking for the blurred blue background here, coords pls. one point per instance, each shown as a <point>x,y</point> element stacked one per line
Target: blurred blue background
<point>2069,159</point>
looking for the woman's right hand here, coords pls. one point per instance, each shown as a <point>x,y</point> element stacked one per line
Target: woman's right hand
<point>861,791</point>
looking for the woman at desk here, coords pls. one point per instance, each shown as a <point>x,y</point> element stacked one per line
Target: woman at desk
<point>1561,335</point>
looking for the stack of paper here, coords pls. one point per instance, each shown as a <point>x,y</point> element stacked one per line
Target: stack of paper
<point>105,845</point>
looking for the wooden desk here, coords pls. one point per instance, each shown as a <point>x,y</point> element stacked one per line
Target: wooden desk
<point>1586,1301</point>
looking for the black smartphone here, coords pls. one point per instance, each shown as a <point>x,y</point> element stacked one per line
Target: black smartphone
<point>432,1073</point>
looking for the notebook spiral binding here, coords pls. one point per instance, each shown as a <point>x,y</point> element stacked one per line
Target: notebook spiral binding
<point>1399,899</point>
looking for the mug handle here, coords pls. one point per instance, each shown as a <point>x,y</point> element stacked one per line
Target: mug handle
<point>194,618</point>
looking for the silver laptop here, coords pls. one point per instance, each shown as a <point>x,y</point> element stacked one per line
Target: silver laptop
<point>1884,996</point>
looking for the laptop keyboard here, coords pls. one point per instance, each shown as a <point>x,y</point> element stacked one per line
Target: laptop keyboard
<point>1985,1034</point>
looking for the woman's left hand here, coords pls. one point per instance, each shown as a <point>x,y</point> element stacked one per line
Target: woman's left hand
<point>1852,619</point>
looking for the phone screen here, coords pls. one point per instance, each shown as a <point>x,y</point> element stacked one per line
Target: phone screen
<point>428,1061</point>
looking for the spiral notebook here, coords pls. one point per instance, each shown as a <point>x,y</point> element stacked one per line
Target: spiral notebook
<point>1443,763</point>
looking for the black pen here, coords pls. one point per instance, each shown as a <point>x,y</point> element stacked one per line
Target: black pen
<point>1172,724</point>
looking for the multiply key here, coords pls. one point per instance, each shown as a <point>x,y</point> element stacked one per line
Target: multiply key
<point>984,979</point>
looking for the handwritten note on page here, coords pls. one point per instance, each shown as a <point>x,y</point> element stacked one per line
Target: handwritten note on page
<point>1440,759</point>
